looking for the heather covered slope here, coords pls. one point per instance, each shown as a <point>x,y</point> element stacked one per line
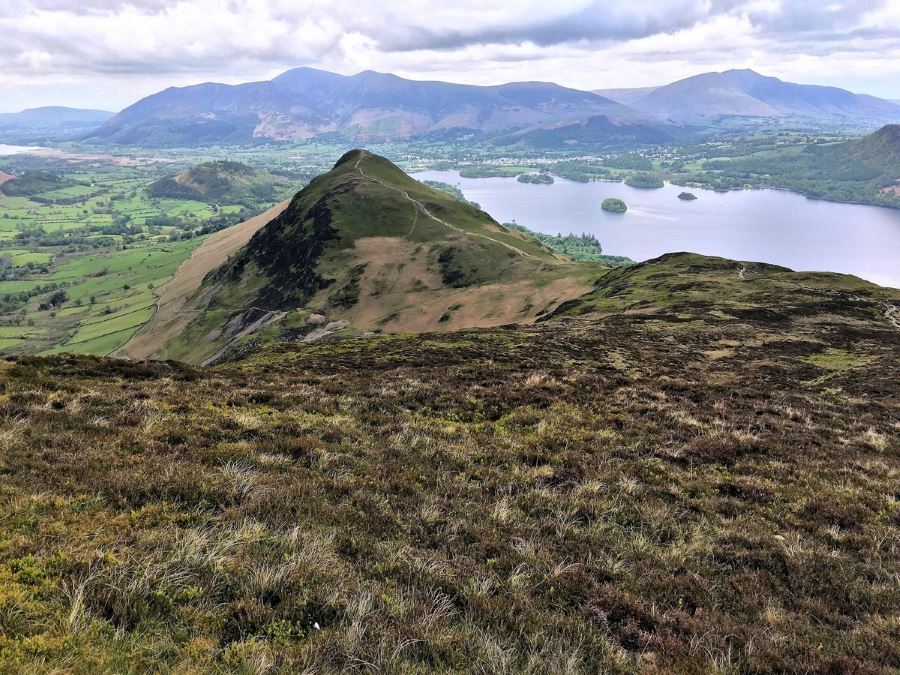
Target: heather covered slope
<point>374,249</point>
<point>702,478</point>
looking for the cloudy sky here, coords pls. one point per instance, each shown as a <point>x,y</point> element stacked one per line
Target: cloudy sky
<point>107,54</point>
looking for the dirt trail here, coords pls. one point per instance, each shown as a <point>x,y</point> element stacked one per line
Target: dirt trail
<point>892,314</point>
<point>170,317</point>
<point>741,272</point>
<point>418,205</point>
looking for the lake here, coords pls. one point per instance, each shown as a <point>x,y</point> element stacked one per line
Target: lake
<point>6,150</point>
<point>771,226</point>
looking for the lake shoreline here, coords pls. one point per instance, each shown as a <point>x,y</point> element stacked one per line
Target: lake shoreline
<point>801,193</point>
<point>773,225</point>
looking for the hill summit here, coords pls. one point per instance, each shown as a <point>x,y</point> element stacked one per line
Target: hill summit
<point>366,247</point>
<point>216,182</point>
<point>883,144</point>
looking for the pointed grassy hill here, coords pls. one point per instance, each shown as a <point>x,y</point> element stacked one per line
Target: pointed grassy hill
<point>219,182</point>
<point>368,247</point>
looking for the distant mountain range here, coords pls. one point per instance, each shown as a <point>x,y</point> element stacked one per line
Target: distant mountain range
<point>746,93</point>
<point>369,106</point>
<point>372,107</point>
<point>50,123</point>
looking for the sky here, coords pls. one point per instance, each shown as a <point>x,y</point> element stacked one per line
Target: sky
<point>107,54</point>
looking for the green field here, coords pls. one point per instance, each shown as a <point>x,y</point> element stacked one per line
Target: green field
<point>79,262</point>
<point>108,296</point>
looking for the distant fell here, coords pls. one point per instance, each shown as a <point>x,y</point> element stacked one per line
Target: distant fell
<point>746,93</point>
<point>50,123</point>
<point>369,106</point>
<point>217,182</point>
<point>882,146</point>
<point>32,183</point>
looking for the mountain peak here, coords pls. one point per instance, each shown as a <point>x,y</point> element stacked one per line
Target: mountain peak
<point>352,156</point>
<point>366,107</point>
<point>742,71</point>
<point>370,248</point>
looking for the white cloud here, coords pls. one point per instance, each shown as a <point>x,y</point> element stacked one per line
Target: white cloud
<point>106,53</point>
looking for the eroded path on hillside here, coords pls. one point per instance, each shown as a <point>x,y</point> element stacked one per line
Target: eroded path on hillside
<point>421,207</point>
<point>892,314</point>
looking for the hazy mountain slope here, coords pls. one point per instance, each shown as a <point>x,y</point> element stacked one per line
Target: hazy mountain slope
<point>367,245</point>
<point>746,93</point>
<point>368,106</point>
<point>52,122</point>
<point>595,130</point>
<point>704,480</point>
<point>625,96</point>
<point>217,182</point>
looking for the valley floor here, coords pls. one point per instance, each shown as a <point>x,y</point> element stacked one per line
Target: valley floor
<point>678,489</point>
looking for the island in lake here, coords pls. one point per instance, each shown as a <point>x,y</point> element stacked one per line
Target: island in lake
<point>644,180</point>
<point>536,178</point>
<point>687,196</point>
<point>613,205</point>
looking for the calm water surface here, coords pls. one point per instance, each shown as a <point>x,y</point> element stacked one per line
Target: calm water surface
<point>6,150</point>
<point>759,225</point>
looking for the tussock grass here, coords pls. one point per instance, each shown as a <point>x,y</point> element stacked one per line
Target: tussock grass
<point>580,496</point>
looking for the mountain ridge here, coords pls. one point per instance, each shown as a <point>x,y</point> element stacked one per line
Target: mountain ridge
<point>51,123</point>
<point>371,106</point>
<point>746,93</point>
<point>305,102</point>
